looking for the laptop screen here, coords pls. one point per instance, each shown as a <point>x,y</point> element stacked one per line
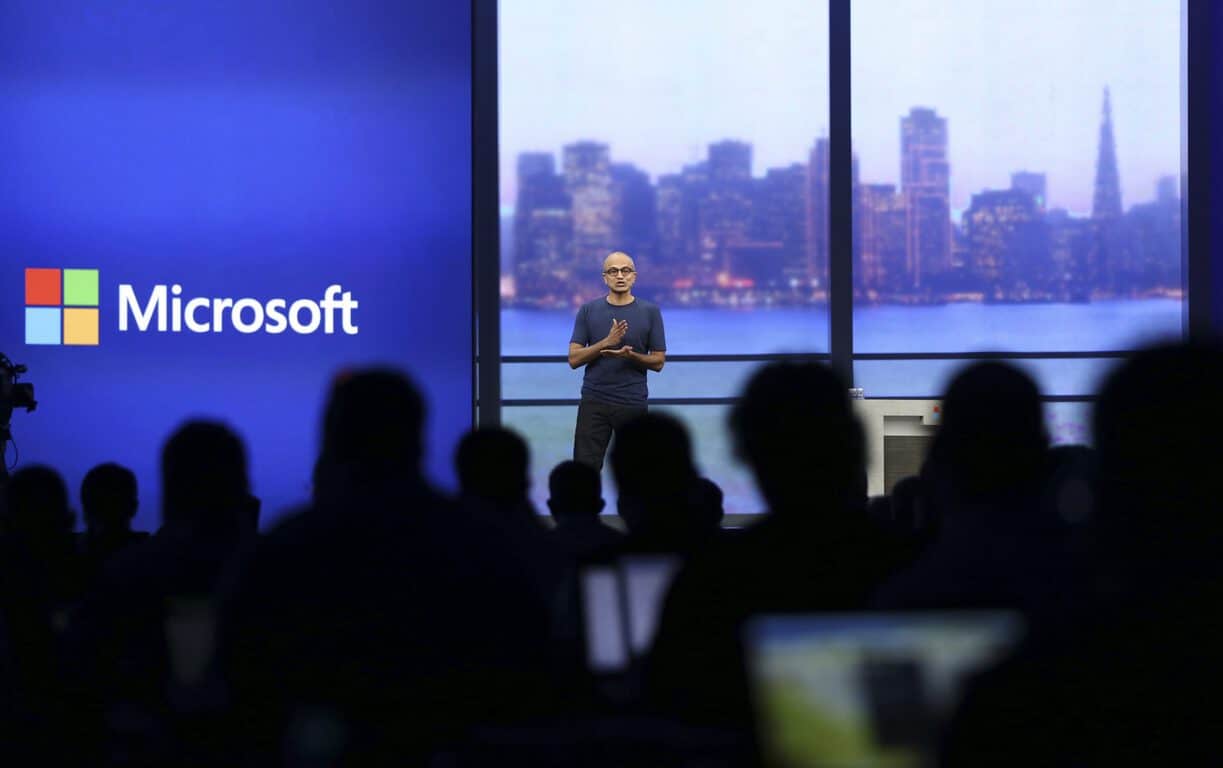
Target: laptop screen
<point>865,689</point>
<point>621,605</point>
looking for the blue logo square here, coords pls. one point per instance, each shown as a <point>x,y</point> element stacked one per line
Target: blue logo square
<point>42,325</point>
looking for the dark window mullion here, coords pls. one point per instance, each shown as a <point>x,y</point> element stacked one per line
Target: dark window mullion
<point>485,213</point>
<point>840,193</point>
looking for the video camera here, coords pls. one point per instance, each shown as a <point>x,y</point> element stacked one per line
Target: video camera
<point>12,396</point>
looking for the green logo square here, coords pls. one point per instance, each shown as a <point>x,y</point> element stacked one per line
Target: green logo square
<point>81,287</point>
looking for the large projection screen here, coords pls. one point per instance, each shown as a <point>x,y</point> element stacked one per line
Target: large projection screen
<point>158,153</point>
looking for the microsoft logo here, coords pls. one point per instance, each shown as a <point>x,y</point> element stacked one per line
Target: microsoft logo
<point>61,306</point>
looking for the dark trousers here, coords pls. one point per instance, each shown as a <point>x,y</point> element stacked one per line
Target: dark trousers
<point>596,422</point>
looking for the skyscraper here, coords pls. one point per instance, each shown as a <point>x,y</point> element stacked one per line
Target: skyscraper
<point>925,183</point>
<point>817,226</point>
<point>636,214</point>
<point>1070,244</point>
<point>588,181</point>
<point>816,219</point>
<point>1032,183</point>
<point>725,209</point>
<point>1106,199</point>
<point>1152,233</point>
<point>1167,190</point>
<point>778,212</point>
<point>730,161</point>
<point>1107,265</point>
<point>880,239</point>
<point>543,229</point>
<point>1008,245</point>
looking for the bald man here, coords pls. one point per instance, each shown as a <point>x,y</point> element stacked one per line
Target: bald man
<point>618,337</point>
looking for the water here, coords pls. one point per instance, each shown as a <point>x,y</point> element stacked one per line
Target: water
<point>1102,326</point>
<point>963,327</point>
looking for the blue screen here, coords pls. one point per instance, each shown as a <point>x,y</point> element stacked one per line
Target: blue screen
<point>238,151</point>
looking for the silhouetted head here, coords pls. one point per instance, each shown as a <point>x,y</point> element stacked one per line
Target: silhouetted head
<point>109,498</point>
<point>651,461</point>
<point>574,490</point>
<point>493,464</point>
<point>795,428</point>
<point>1157,425</point>
<point>203,478</point>
<point>36,505</point>
<point>373,424</point>
<point>992,441</point>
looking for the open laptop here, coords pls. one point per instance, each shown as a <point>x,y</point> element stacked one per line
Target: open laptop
<point>841,690</point>
<point>621,606</point>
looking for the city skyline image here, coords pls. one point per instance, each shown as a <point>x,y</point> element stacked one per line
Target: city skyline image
<point>714,234</point>
<point>660,82</point>
<point>1020,152</point>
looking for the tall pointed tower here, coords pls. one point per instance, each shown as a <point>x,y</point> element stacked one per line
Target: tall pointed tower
<point>1107,269</point>
<point>1106,202</point>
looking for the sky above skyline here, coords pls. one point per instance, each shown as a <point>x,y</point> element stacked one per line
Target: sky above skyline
<point>1019,81</point>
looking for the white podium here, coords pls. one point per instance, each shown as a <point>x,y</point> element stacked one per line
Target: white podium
<point>898,434</point>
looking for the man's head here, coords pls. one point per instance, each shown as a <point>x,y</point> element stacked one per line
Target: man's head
<point>493,465</point>
<point>795,428</point>
<point>574,491</point>
<point>36,505</point>
<point>109,498</point>
<point>619,282</point>
<point>651,461</point>
<point>204,479</point>
<point>373,423</point>
<point>1156,431</point>
<point>992,441</point>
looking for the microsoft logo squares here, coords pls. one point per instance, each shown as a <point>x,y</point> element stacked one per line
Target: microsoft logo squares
<point>61,307</point>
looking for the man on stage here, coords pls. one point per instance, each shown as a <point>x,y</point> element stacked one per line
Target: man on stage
<point>613,388</point>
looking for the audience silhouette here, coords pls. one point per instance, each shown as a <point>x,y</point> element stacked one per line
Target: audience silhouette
<point>575,500</point>
<point>109,500</point>
<point>387,622</point>
<point>659,496</point>
<point>40,582</point>
<point>997,545</point>
<point>813,551</point>
<point>1131,681</point>
<point>36,530</point>
<point>380,621</point>
<point>146,636</point>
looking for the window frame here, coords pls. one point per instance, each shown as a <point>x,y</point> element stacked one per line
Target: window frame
<point>1197,37</point>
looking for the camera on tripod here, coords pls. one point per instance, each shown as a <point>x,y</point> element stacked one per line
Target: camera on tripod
<point>12,396</point>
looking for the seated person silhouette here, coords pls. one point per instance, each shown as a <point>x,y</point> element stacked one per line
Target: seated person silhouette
<point>36,532</point>
<point>493,466</point>
<point>813,551</point>
<point>575,500</point>
<point>1130,679</point>
<point>40,584</point>
<point>380,616</point>
<point>660,498</point>
<point>997,546</point>
<point>146,637</point>
<point>109,501</point>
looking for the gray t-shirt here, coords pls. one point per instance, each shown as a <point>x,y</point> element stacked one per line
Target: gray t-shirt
<point>611,379</point>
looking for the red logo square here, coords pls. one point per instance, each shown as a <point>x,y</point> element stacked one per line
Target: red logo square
<point>43,288</point>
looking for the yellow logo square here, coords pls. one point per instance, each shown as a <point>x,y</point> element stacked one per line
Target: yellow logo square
<point>81,327</point>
